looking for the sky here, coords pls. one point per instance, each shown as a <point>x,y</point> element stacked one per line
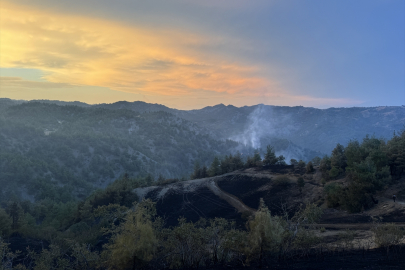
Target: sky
<point>190,54</point>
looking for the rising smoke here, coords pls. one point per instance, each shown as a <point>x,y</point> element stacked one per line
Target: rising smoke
<point>266,126</point>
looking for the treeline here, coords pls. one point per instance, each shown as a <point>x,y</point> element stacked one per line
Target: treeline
<point>235,162</point>
<point>369,166</point>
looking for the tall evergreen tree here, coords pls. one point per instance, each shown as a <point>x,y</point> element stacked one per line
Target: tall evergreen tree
<point>215,168</point>
<point>270,156</point>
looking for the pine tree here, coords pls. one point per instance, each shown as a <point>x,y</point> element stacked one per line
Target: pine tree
<point>270,157</point>
<point>215,168</point>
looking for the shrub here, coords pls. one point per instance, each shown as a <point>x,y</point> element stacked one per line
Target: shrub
<point>301,164</point>
<point>310,167</point>
<point>333,194</point>
<point>388,234</point>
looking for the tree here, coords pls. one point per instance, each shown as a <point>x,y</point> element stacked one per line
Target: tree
<point>293,162</point>
<point>215,168</point>
<point>197,171</point>
<point>237,161</point>
<point>309,168</point>
<point>250,162</point>
<point>324,167</point>
<point>257,159</point>
<point>226,164</point>
<point>395,150</point>
<point>338,161</point>
<point>15,211</point>
<point>281,160</point>
<point>316,161</point>
<point>185,245</point>
<point>301,165</point>
<point>270,156</point>
<point>204,172</point>
<point>5,223</point>
<point>265,232</point>
<point>134,241</point>
<point>149,180</point>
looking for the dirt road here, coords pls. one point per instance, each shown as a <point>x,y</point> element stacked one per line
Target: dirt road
<point>232,200</point>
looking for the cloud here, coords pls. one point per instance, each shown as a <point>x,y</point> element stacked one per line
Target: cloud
<point>87,51</point>
<point>19,83</point>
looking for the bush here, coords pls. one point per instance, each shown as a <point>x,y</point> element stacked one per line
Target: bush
<point>388,234</point>
<point>333,194</point>
<point>309,168</point>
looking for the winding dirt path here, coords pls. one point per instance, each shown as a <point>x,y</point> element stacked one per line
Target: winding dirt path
<point>232,200</point>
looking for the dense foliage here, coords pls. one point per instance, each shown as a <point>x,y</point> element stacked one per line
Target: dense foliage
<point>370,166</point>
<point>62,153</point>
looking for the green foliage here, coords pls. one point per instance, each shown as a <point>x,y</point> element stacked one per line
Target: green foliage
<point>118,192</point>
<point>265,232</point>
<point>338,158</point>
<point>257,159</point>
<point>250,163</point>
<point>293,162</point>
<point>185,245</point>
<point>301,165</point>
<point>88,148</point>
<point>270,156</point>
<point>316,161</point>
<point>334,192</point>
<point>281,160</point>
<point>325,166</point>
<point>309,168</point>
<point>134,241</point>
<point>5,223</point>
<point>389,234</point>
<point>6,256</point>
<point>335,166</point>
<point>395,150</point>
<point>215,168</point>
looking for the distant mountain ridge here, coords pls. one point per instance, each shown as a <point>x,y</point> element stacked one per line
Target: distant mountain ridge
<point>256,126</point>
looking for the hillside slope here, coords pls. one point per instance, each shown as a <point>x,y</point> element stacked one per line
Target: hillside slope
<point>53,151</point>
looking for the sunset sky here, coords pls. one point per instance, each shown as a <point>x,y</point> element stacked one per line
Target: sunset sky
<point>190,54</point>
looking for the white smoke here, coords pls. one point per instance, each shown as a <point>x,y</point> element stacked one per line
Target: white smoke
<point>253,131</point>
<point>264,125</point>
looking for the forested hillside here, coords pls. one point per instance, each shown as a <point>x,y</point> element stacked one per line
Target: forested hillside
<point>64,150</point>
<point>53,151</point>
<point>315,129</point>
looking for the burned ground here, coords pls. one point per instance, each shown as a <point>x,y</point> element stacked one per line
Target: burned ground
<point>200,203</point>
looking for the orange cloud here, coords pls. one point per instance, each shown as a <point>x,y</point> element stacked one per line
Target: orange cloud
<point>87,51</point>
